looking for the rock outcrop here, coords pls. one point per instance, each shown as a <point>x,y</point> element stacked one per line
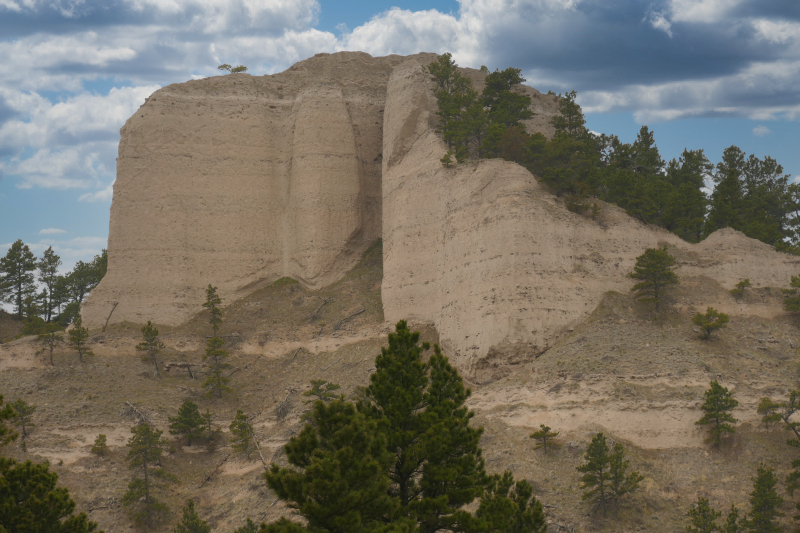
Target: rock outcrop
<point>239,180</point>
<point>498,264</point>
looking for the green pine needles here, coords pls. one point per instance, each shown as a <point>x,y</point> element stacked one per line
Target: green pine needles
<point>605,474</point>
<point>145,449</point>
<point>23,416</point>
<point>471,123</point>
<point>653,271</point>
<point>78,337</point>
<point>242,437</point>
<point>719,402</point>
<point>545,437</point>
<point>31,501</point>
<point>216,355</point>
<point>709,322</point>
<point>151,345</point>
<point>189,423</point>
<point>404,458</point>
<point>191,521</point>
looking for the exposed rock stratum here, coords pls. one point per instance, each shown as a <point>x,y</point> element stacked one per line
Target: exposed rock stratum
<point>240,180</point>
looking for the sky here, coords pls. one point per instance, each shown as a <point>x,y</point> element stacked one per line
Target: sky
<point>700,73</point>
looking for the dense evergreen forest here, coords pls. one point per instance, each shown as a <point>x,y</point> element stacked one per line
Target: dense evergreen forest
<point>688,196</point>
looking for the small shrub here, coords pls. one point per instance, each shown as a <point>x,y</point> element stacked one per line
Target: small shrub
<point>709,322</point>
<point>100,447</point>
<point>738,292</point>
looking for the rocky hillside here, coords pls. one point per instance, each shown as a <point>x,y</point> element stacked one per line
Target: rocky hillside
<point>315,200</point>
<point>635,376</point>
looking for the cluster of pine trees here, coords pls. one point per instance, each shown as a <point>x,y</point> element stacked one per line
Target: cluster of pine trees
<point>748,194</point>
<point>60,297</point>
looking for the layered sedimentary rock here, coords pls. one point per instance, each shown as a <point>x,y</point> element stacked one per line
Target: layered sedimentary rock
<point>237,181</point>
<point>498,264</point>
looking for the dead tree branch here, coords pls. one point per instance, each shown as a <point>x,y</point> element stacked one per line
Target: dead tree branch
<point>324,302</point>
<point>345,319</point>
<point>130,411</point>
<point>109,315</point>
<point>208,477</point>
<point>283,408</point>
<point>179,364</point>
<point>330,365</point>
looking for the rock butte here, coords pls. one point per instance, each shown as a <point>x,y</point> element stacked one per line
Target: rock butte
<point>239,180</point>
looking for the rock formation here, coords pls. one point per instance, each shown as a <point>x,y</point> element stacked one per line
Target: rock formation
<point>239,180</point>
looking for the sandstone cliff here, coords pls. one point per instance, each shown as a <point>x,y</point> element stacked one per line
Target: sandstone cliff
<point>498,264</point>
<point>236,180</point>
<point>239,180</point>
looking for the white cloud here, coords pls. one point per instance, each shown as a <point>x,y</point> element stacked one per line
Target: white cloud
<point>100,196</point>
<point>660,22</point>
<point>777,31</point>
<point>51,231</point>
<point>701,11</point>
<point>760,131</point>
<point>45,124</point>
<point>78,167</point>
<point>725,95</point>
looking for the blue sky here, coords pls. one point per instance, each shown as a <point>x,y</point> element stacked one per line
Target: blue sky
<point>701,73</point>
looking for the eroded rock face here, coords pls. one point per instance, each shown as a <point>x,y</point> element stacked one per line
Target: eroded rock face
<point>499,265</point>
<point>239,180</point>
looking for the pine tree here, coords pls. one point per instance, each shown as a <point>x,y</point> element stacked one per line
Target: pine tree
<point>16,276</point>
<point>216,354</point>
<point>508,507</point>
<point>338,482</point>
<point>726,201</point>
<point>242,434</point>
<point>191,522</point>
<point>717,406</point>
<point>437,466</point>
<point>738,292</point>
<point>216,382</point>
<point>653,269</point>
<point>732,524</point>
<point>100,445</point>
<point>6,433</point>
<point>151,344</point>
<point>209,433</point>
<point>78,336</point>
<point>543,436</point>
<point>709,322</point>
<point>620,482</point>
<point>605,474</point>
<point>321,390</point>
<point>212,304</point>
<point>50,337</point>
<point>30,501</point>
<point>145,449</point>
<point>764,504</point>
<point>703,517</point>
<point>48,276</point>
<point>570,117</point>
<point>189,423</point>
<point>769,409</point>
<point>23,415</point>
<point>792,300</point>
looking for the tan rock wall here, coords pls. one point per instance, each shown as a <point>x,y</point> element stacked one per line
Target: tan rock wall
<point>496,263</point>
<point>239,180</point>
